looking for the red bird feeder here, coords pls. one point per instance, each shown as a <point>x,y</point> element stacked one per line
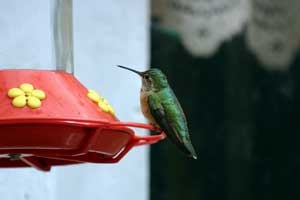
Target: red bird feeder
<point>47,119</point>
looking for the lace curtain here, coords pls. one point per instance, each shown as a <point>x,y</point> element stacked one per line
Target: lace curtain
<point>271,26</point>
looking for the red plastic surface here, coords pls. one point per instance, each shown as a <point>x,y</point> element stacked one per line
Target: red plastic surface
<point>67,129</point>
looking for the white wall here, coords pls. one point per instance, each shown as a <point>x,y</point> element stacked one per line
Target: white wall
<point>106,33</point>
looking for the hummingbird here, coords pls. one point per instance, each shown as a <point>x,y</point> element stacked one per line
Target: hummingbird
<point>161,107</point>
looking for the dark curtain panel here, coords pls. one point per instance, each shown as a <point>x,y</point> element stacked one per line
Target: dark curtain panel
<point>244,122</point>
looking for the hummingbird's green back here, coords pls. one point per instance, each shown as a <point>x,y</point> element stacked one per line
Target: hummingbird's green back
<point>169,115</point>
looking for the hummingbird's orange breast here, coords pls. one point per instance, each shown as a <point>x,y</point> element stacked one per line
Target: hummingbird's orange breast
<point>145,107</point>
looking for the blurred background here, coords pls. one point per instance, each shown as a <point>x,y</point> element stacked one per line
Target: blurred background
<point>233,65</point>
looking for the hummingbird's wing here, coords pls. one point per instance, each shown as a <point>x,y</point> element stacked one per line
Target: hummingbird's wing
<point>168,115</point>
<point>159,114</point>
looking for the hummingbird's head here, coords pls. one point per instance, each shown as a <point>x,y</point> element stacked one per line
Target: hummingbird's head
<point>152,79</point>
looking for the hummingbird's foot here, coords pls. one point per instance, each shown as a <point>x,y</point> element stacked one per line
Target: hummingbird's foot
<point>16,156</point>
<point>157,129</point>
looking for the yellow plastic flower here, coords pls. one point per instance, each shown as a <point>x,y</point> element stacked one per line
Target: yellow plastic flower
<point>25,94</point>
<point>102,103</point>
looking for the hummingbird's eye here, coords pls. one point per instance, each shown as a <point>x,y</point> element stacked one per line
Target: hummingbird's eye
<point>146,77</point>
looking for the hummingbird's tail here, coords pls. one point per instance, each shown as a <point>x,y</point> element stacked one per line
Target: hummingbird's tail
<point>190,150</point>
<point>185,146</point>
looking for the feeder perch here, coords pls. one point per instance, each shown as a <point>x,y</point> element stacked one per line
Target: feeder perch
<point>67,128</point>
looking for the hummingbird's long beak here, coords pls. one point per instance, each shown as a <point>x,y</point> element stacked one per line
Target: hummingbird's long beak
<point>137,72</point>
